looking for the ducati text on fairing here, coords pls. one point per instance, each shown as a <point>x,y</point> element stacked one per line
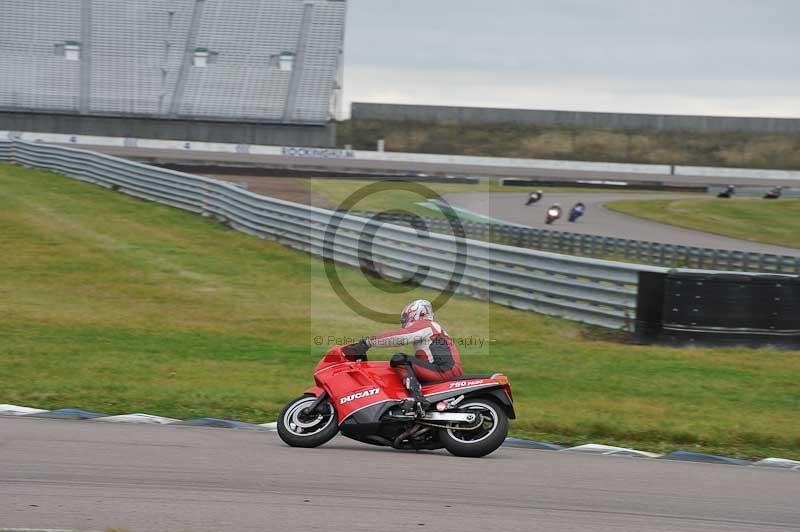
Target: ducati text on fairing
<point>358,395</point>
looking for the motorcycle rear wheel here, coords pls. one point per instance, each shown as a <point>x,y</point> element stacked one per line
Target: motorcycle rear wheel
<point>297,429</point>
<point>486,437</point>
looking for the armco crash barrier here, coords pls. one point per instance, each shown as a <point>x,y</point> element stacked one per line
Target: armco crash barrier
<point>655,253</point>
<point>592,291</point>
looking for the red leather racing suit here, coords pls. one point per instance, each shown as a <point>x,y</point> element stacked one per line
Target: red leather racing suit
<point>435,357</point>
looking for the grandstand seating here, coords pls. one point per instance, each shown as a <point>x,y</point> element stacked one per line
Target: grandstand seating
<point>31,75</point>
<point>272,61</point>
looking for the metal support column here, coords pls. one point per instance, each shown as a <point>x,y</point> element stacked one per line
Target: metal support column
<point>299,60</point>
<point>188,57</point>
<point>86,57</point>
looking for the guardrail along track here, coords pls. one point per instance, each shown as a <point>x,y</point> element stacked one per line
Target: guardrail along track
<point>588,290</point>
<point>655,253</point>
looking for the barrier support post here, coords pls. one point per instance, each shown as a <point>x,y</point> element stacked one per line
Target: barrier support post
<point>649,307</point>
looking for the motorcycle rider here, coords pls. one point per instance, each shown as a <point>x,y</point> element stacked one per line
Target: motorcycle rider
<point>553,214</point>
<point>534,197</point>
<point>729,191</point>
<point>435,358</point>
<point>577,211</point>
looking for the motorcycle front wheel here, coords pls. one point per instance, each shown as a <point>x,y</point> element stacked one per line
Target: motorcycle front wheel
<point>481,439</point>
<point>298,428</point>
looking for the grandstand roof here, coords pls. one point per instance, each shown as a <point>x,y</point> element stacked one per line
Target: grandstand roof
<point>247,60</point>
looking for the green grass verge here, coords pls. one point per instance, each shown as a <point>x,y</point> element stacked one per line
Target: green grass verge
<point>117,305</point>
<point>771,222</point>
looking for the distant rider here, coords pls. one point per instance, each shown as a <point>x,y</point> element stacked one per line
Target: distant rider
<point>729,191</point>
<point>577,211</point>
<point>435,357</point>
<point>534,197</point>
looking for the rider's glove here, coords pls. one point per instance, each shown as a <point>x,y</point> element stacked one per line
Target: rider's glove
<point>398,359</point>
<point>362,347</point>
<point>358,350</point>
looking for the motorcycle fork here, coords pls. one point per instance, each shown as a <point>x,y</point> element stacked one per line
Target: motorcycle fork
<point>315,406</point>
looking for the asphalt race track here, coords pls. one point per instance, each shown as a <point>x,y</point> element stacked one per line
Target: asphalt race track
<point>86,475</point>
<point>598,220</point>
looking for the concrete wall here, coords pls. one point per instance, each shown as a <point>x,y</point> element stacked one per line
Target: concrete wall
<point>166,129</point>
<point>383,163</point>
<point>573,119</point>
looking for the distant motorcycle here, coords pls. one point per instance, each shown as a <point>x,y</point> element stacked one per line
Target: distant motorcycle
<point>728,192</point>
<point>534,197</point>
<point>553,214</point>
<point>578,210</point>
<point>775,193</point>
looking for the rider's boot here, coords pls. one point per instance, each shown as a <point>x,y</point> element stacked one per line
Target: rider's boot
<point>420,403</point>
<point>417,403</point>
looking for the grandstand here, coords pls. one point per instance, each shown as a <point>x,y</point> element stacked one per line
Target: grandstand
<point>250,71</point>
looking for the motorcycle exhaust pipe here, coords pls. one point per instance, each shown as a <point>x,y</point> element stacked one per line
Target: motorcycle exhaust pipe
<point>380,440</point>
<point>398,441</point>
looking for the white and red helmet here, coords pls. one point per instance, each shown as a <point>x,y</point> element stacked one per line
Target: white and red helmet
<point>415,311</point>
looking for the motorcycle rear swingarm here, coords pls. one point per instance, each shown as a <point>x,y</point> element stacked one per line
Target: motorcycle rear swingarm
<point>452,426</point>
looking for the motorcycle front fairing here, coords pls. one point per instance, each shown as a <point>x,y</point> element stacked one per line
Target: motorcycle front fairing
<point>361,392</point>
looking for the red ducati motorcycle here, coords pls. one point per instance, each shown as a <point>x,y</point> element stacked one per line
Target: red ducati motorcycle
<point>368,402</point>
